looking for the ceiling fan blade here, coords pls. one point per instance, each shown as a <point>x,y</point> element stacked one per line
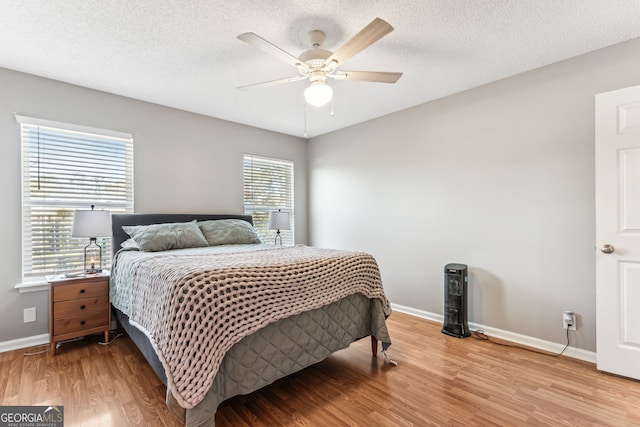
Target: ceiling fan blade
<point>268,47</point>
<point>367,76</point>
<point>273,82</point>
<point>370,34</point>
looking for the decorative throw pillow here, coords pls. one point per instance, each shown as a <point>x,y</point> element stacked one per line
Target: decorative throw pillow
<point>162,237</point>
<point>228,232</point>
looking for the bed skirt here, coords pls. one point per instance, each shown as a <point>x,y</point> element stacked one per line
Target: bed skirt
<point>275,351</point>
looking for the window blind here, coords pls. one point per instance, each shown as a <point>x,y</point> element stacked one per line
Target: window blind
<point>268,186</point>
<point>64,168</point>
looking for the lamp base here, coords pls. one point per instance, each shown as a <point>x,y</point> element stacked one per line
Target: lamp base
<point>92,257</point>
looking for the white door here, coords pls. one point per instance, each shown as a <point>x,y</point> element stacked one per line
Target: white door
<point>618,231</point>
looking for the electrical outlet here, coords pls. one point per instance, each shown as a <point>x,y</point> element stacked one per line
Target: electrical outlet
<point>569,320</point>
<point>29,315</point>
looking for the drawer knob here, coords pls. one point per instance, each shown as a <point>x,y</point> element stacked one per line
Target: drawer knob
<point>83,322</point>
<point>82,307</point>
<point>82,291</point>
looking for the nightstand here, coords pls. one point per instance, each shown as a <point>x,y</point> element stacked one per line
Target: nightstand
<point>78,306</point>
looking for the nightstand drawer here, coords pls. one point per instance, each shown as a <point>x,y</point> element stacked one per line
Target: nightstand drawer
<point>80,290</point>
<point>81,306</point>
<point>78,323</point>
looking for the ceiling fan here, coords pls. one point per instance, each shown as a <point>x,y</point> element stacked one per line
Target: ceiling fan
<point>319,64</point>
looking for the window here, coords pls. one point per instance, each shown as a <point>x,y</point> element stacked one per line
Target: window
<point>268,186</point>
<point>67,167</point>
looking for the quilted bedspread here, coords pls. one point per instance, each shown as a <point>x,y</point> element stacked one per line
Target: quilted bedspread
<point>194,307</point>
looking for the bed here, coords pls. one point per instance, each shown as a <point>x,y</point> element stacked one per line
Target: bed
<point>231,315</point>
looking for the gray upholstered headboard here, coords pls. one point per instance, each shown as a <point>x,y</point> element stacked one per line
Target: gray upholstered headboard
<point>118,220</point>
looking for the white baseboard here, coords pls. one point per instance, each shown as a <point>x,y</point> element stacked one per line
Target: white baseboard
<point>576,353</point>
<point>552,347</point>
<point>25,342</point>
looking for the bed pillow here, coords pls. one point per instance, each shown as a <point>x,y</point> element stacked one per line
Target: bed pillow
<point>130,245</point>
<point>228,232</point>
<point>162,237</point>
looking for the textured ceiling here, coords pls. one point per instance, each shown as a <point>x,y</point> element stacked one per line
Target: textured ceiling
<point>185,54</point>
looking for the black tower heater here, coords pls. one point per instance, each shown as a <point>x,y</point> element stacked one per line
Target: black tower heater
<point>455,301</point>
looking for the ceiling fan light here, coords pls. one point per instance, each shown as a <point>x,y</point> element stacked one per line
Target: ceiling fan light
<point>318,94</point>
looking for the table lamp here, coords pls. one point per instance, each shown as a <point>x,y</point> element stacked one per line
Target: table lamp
<point>279,221</point>
<point>92,224</point>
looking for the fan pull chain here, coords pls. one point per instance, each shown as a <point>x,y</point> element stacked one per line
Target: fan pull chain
<point>305,119</point>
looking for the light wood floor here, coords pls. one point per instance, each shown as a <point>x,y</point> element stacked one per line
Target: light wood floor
<point>440,380</point>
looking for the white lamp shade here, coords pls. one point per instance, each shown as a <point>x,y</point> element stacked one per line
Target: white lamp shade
<point>91,224</point>
<point>318,94</point>
<point>279,221</point>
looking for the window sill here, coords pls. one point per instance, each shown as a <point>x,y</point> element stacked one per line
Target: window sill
<point>37,284</point>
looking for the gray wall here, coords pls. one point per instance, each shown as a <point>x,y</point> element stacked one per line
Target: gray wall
<point>500,177</point>
<point>184,162</point>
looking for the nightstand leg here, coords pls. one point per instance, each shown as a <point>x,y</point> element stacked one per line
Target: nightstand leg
<point>53,348</point>
<point>106,336</point>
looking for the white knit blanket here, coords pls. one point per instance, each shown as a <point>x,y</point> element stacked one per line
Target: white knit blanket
<point>194,308</point>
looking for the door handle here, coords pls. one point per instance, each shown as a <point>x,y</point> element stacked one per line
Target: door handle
<point>607,249</point>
